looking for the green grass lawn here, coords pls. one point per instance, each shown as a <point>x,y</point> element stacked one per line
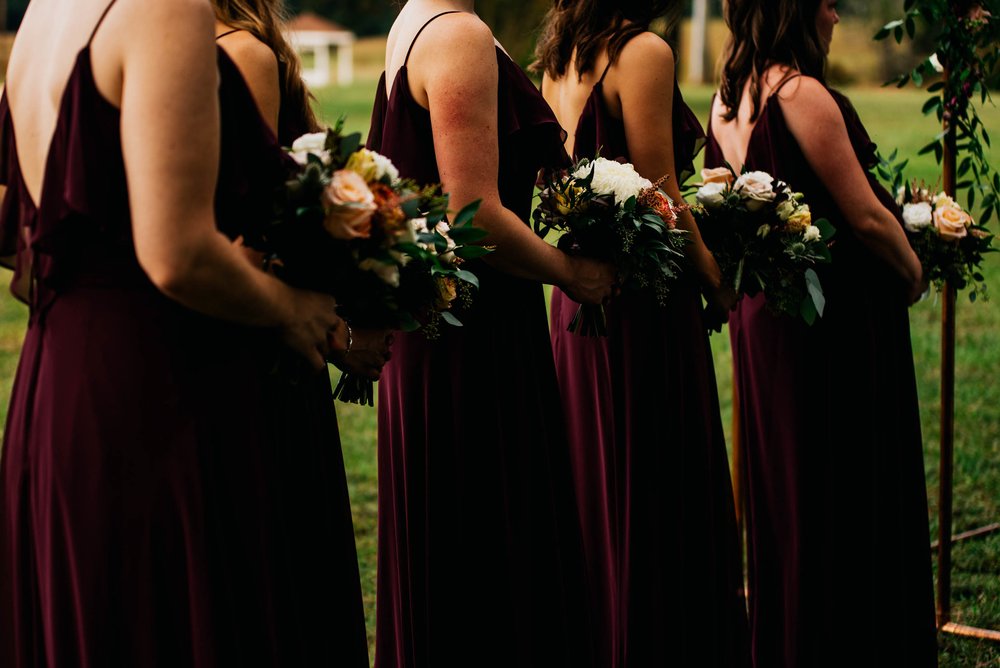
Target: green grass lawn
<point>894,120</point>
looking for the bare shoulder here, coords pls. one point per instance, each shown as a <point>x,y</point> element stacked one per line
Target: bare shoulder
<point>254,58</point>
<point>458,32</point>
<point>647,50</point>
<point>169,19</point>
<point>807,98</point>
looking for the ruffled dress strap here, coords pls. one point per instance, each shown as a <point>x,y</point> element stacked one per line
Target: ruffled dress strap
<point>525,118</point>
<point>689,136</point>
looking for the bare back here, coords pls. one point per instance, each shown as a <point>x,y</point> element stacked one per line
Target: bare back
<point>45,53</point>
<point>569,94</point>
<point>733,137</point>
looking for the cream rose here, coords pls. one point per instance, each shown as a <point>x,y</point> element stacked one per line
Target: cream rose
<point>801,220</point>
<point>756,189</point>
<point>716,175</point>
<point>349,205</point>
<point>951,222</point>
<point>917,216</point>
<point>812,233</point>
<point>711,195</point>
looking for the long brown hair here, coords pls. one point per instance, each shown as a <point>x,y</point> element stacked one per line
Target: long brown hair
<point>265,20</point>
<point>764,33</point>
<point>591,25</point>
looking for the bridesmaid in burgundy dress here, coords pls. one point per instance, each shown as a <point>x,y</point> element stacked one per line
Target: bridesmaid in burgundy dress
<point>308,584</point>
<point>123,387</point>
<point>480,559</point>
<point>646,440</point>
<point>837,511</point>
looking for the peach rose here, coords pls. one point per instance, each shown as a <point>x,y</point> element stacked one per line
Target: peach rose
<point>349,205</point>
<point>717,175</point>
<point>951,222</point>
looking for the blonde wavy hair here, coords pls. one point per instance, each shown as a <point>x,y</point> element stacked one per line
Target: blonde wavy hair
<point>265,20</point>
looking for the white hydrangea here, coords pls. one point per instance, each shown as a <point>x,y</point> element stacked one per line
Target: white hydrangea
<point>384,167</point>
<point>614,178</point>
<point>917,216</point>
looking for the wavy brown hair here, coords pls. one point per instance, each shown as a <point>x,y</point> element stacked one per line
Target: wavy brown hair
<point>764,33</point>
<point>265,20</point>
<point>590,26</point>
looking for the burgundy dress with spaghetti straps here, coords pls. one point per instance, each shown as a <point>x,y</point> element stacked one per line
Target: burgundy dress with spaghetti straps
<point>479,557</point>
<point>839,568</point>
<point>118,394</point>
<point>300,594</point>
<point>649,456</point>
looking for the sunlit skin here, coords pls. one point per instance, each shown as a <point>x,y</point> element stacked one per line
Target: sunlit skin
<point>154,61</point>
<point>639,90</point>
<point>453,73</point>
<point>259,67</point>
<point>817,124</point>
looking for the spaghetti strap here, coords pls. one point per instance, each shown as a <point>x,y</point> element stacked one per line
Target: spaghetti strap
<point>101,20</point>
<point>436,16</point>
<point>226,34</point>
<point>607,68</point>
<point>781,84</point>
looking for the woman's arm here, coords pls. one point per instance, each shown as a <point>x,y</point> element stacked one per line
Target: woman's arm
<point>643,79</point>
<point>170,141</point>
<point>817,123</point>
<point>454,69</point>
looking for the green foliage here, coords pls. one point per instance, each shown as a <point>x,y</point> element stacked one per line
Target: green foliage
<point>967,47</point>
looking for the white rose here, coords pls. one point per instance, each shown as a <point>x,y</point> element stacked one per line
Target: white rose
<point>756,189</point>
<point>389,273</point>
<point>811,234</point>
<point>711,195</point>
<point>917,216</point>
<point>614,178</point>
<point>314,141</point>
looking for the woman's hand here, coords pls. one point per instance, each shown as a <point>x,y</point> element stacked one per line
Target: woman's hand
<point>918,287</point>
<point>368,354</point>
<point>590,281</point>
<point>721,301</point>
<point>313,328</point>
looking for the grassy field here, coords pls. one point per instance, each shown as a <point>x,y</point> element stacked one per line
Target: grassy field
<point>894,120</point>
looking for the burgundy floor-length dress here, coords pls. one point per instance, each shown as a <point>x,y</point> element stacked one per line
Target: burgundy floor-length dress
<point>119,392</point>
<point>649,458</point>
<point>304,584</point>
<point>839,568</point>
<point>480,561</point>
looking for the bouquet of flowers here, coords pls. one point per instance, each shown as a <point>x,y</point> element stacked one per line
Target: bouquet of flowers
<point>607,211</point>
<point>764,239</point>
<point>948,242</point>
<point>348,225</point>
